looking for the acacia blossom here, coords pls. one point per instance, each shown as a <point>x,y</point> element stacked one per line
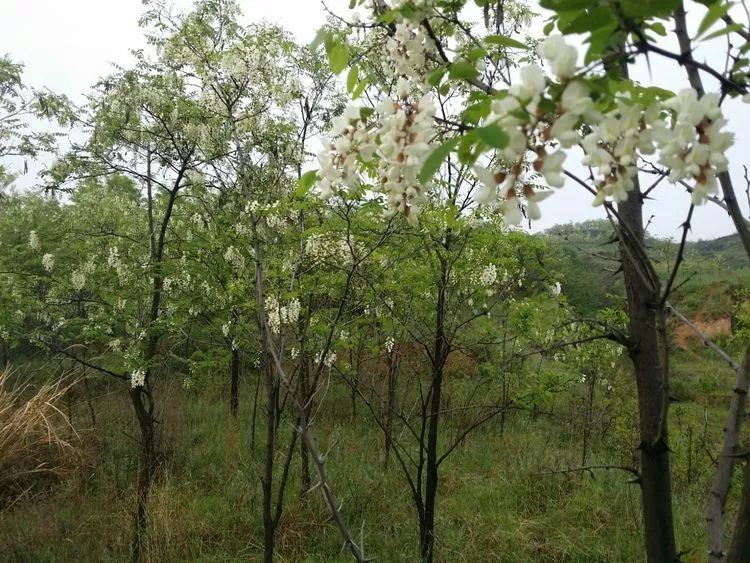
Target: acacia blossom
<point>137,378</point>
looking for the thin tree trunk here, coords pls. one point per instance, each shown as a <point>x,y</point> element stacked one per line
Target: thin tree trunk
<point>268,527</point>
<point>725,466</point>
<point>427,539</point>
<point>305,399</point>
<point>390,404</point>
<point>145,470</point>
<point>234,393</point>
<point>255,411</point>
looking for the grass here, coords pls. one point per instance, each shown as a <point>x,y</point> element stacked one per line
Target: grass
<point>495,501</point>
<point>34,436</point>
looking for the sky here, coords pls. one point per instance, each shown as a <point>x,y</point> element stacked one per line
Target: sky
<point>66,45</point>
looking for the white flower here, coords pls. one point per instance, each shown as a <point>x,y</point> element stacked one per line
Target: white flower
<point>78,280</point>
<point>34,243</point>
<point>137,378</point>
<point>389,343</point>
<point>235,258</point>
<point>562,58</point>
<point>551,168</point>
<point>532,202</point>
<point>48,262</point>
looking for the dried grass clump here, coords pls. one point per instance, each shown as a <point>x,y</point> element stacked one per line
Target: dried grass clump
<point>34,437</point>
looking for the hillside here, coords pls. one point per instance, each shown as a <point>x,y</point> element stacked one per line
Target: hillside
<point>710,282</point>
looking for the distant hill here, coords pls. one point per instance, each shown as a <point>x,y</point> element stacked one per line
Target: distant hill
<point>710,281</point>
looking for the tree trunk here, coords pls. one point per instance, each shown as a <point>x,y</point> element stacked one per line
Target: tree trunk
<point>427,524</point>
<point>271,398</point>
<point>305,398</point>
<point>145,469</point>
<point>234,393</point>
<point>390,404</point>
<point>740,550</point>
<point>643,295</point>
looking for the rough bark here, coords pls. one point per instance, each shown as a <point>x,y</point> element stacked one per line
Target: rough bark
<point>643,295</point>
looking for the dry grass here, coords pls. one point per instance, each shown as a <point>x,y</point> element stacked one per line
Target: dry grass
<point>35,436</point>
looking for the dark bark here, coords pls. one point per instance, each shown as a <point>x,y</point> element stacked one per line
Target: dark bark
<point>144,414</point>
<point>427,523</point>
<point>390,403</point>
<point>234,392</point>
<point>643,296</point>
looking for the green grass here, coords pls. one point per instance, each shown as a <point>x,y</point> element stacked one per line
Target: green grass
<point>495,502</point>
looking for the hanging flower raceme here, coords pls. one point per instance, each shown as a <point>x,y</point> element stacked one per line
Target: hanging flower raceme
<point>48,262</point>
<point>409,48</point>
<point>403,129</point>
<point>693,146</point>
<point>34,243</point>
<point>405,132</point>
<point>350,143</point>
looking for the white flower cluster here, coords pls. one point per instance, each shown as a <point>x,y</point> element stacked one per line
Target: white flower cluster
<point>691,144</point>
<point>34,242</point>
<point>350,141</point>
<point>389,344</point>
<point>48,262</point>
<point>322,248</point>
<point>405,131</point>
<point>694,147</point>
<point>78,280</point>
<point>279,315</point>
<point>610,148</point>
<point>329,360</point>
<point>488,277</point>
<point>113,258</point>
<point>234,257</point>
<point>409,49</point>
<point>137,378</point>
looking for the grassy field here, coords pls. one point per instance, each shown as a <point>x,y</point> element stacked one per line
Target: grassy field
<point>499,498</point>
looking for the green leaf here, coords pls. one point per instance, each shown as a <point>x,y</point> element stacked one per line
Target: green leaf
<point>493,135</point>
<point>591,20</point>
<point>476,112</point>
<point>723,31</point>
<point>462,70</point>
<point>549,26</point>
<point>338,57</point>
<point>658,28</point>
<point>712,16</point>
<point>435,76</point>
<point>319,38</point>
<point>435,160</point>
<point>352,78</point>
<point>365,113</point>
<point>306,181</point>
<point>567,5</point>
<point>357,92</point>
<point>504,41</point>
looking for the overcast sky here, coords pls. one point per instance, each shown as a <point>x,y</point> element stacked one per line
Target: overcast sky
<point>67,44</point>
